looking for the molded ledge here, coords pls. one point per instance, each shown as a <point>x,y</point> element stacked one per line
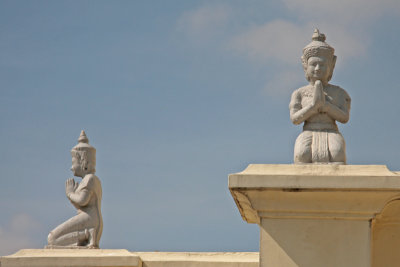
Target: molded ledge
<point>348,192</point>
<point>123,258</point>
<point>199,259</point>
<point>310,176</point>
<point>71,258</point>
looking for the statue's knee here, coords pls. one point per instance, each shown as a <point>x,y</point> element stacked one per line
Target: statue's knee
<point>302,154</point>
<point>337,148</point>
<point>302,148</point>
<point>338,155</point>
<point>304,157</point>
<point>51,238</point>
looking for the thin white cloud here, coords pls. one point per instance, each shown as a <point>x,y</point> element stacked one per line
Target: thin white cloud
<point>285,82</point>
<point>348,43</point>
<point>278,40</point>
<point>204,22</point>
<point>342,12</point>
<point>282,42</point>
<point>345,23</point>
<point>17,234</point>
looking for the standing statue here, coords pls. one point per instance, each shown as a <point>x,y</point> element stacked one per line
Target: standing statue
<point>83,230</point>
<point>319,105</point>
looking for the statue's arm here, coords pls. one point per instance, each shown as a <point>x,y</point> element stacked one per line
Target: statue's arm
<point>299,114</point>
<point>341,113</point>
<point>80,198</point>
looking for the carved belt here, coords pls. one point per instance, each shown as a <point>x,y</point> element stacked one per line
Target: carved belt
<point>320,127</point>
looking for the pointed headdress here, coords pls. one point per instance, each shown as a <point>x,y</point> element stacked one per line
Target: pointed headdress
<point>85,152</point>
<point>318,47</point>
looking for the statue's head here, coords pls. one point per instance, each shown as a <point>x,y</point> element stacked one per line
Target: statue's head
<point>318,59</point>
<point>83,157</point>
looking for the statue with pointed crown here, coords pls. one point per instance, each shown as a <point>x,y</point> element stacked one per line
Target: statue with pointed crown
<point>319,105</point>
<point>83,230</point>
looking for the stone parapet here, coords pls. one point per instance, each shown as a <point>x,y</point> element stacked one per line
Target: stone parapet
<point>124,258</point>
<point>199,259</point>
<point>71,258</point>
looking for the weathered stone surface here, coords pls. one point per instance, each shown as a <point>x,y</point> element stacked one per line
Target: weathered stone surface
<point>119,258</point>
<point>71,258</point>
<point>84,229</point>
<point>319,105</point>
<point>321,215</point>
<point>199,259</point>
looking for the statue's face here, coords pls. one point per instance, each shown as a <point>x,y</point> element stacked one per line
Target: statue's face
<point>318,68</point>
<point>76,167</point>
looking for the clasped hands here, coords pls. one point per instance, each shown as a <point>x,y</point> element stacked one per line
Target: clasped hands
<point>318,102</point>
<point>70,186</point>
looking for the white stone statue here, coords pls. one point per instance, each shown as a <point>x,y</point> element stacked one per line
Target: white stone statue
<point>83,230</point>
<point>319,105</point>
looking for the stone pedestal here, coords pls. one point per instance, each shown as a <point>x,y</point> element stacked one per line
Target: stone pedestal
<point>322,215</point>
<point>71,258</point>
<point>123,258</point>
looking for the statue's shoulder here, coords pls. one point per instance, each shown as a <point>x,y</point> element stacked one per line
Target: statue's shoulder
<point>339,91</point>
<point>91,181</point>
<point>91,177</point>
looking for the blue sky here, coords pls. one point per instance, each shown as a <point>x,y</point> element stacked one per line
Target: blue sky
<point>175,95</point>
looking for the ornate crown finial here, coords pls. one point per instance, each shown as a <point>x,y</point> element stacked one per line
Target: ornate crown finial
<point>317,47</point>
<point>317,36</point>
<point>83,138</point>
<point>86,152</point>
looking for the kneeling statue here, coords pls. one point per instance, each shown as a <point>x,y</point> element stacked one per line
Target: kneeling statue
<point>83,230</point>
<point>319,105</point>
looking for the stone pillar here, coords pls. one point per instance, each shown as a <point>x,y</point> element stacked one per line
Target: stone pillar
<point>322,215</point>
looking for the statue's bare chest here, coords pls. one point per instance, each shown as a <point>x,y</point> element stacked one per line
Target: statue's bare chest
<point>307,95</point>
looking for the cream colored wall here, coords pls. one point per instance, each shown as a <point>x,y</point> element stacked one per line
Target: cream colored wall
<point>192,259</point>
<point>386,236</point>
<point>314,243</point>
<point>124,258</point>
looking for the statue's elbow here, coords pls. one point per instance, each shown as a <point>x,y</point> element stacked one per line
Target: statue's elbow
<point>344,119</point>
<point>83,202</point>
<point>295,120</point>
